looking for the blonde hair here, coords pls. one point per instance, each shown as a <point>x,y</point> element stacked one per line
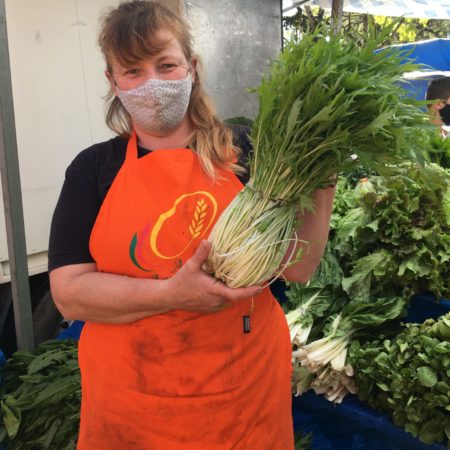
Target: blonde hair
<point>127,34</point>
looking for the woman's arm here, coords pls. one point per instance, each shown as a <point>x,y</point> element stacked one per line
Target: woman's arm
<point>313,232</point>
<point>82,293</point>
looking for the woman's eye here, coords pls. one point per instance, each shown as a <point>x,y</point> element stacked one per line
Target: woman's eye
<point>132,72</point>
<point>167,67</point>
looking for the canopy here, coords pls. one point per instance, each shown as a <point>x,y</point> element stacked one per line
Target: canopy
<point>434,54</point>
<point>430,9</point>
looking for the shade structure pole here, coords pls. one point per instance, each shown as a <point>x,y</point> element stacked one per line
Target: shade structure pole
<point>12,198</point>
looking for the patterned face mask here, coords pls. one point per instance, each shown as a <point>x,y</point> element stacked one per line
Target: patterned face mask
<point>158,105</point>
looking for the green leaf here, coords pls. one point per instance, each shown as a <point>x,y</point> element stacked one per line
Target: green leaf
<point>11,418</point>
<point>358,286</point>
<point>383,387</point>
<point>45,360</point>
<point>432,431</point>
<point>427,376</point>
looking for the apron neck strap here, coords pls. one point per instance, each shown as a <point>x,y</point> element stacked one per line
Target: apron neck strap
<point>132,151</point>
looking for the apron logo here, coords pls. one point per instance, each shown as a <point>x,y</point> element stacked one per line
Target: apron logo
<point>188,219</point>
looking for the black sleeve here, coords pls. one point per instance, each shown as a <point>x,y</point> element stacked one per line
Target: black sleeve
<point>241,139</point>
<point>74,216</point>
<point>86,184</point>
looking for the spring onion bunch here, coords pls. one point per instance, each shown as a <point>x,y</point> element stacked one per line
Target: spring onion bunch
<point>326,105</point>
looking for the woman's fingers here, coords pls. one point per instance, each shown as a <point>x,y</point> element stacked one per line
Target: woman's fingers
<point>234,294</point>
<point>192,288</point>
<point>201,255</point>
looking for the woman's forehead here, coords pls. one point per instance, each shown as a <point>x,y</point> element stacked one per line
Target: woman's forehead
<point>161,43</point>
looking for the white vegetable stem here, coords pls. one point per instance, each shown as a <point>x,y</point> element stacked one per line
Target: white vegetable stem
<point>299,326</point>
<point>250,239</point>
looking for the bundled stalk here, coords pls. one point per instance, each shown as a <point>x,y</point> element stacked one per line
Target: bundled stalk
<point>326,106</point>
<point>323,365</point>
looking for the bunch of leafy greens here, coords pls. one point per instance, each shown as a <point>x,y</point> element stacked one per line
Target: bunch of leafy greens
<point>409,376</point>
<point>307,304</point>
<point>40,398</point>
<point>394,240</point>
<point>326,105</point>
<point>323,308</point>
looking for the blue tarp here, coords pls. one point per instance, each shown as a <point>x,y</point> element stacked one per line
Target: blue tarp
<point>350,426</point>
<point>434,54</point>
<point>73,332</point>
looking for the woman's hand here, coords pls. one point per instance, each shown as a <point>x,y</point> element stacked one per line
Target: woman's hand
<point>192,289</point>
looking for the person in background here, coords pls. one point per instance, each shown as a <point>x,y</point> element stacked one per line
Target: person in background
<point>167,358</point>
<point>439,92</point>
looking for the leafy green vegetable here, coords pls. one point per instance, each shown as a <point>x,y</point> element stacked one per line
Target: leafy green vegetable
<point>438,148</point>
<point>409,377</point>
<point>40,398</point>
<point>302,441</point>
<point>395,235</point>
<point>390,239</point>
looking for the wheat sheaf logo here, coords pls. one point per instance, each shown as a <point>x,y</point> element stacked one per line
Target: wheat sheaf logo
<point>188,219</point>
<point>197,223</point>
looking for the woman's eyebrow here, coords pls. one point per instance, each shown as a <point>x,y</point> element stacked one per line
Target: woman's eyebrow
<point>165,55</point>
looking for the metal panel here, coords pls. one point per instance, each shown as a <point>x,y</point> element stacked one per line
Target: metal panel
<point>58,89</point>
<point>235,40</point>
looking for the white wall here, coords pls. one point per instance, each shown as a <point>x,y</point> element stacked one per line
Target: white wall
<point>58,84</point>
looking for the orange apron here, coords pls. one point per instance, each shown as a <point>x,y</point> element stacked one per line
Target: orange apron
<point>180,380</point>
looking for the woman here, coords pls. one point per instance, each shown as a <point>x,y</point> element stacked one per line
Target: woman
<point>169,358</point>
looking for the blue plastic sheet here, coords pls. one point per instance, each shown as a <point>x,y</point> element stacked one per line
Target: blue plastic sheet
<point>73,331</point>
<point>353,425</point>
<point>434,54</point>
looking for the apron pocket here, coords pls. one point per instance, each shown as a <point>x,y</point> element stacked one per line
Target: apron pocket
<point>185,354</point>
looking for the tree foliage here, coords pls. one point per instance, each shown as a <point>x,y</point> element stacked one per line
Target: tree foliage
<point>355,25</point>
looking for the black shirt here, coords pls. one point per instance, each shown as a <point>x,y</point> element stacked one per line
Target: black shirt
<point>87,181</point>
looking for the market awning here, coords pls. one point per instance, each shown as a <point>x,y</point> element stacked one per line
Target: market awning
<point>434,54</point>
<point>430,9</point>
